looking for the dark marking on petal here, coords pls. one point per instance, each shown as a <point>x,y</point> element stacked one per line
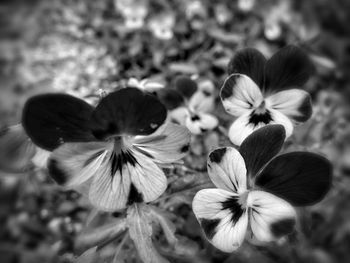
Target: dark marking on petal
<point>257,118</point>
<point>209,226</point>
<point>121,159</point>
<point>235,208</point>
<point>143,152</point>
<point>283,227</point>
<point>93,157</point>
<point>203,130</point>
<point>305,110</point>
<point>56,173</point>
<point>227,90</point>
<point>195,118</point>
<point>134,195</point>
<point>216,155</point>
<point>185,148</point>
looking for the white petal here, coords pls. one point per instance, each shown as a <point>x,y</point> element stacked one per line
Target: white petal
<point>271,216</point>
<point>74,163</point>
<point>227,170</point>
<point>294,103</point>
<point>40,158</point>
<point>240,94</point>
<point>280,118</point>
<point>225,227</point>
<point>201,101</point>
<point>110,193</point>
<point>148,178</point>
<point>142,181</point>
<point>201,122</point>
<point>241,129</point>
<point>179,115</point>
<point>168,144</point>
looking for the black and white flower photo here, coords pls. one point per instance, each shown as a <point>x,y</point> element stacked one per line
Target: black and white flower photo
<point>180,131</point>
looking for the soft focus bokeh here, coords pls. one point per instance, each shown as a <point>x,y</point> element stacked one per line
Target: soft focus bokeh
<point>86,47</point>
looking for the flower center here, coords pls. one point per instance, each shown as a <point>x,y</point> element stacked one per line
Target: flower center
<point>242,200</point>
<point>260,115</point>
<point>261,109</point>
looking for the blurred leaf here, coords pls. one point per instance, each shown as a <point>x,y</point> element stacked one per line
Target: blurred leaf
<point>89,256</point>
<point>162,218</point>
<point>140,230</point>
<point>97,236</point>
<point>16,149</point>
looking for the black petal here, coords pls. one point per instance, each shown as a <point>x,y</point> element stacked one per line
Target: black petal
<point>300,178</point>
<point>261,146</point>
<point>287,68</point>
<point>51,119</point>
<point>186,86</point>
<point>171,98</point>
<point>127,111</point>
<point>250,62</point>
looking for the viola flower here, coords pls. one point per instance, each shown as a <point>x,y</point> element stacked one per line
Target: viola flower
<point>189,104</point>
<point>162,26</point>
<point>260,92</point>
<point>134,13</point>
<point>256,187</point>
<point>246,5</point>
<point>114,150</point>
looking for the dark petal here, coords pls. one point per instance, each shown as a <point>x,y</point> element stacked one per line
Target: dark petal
<point>287,68</point>
<point>261,146</point>
<point>51,119</point>
<point>170,98</point>
<point>250,62</point>
<point>186,86</point>
<point>127,111</point>
<point>301,178</point>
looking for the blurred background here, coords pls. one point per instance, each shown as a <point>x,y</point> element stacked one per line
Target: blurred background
<point>85,47</point>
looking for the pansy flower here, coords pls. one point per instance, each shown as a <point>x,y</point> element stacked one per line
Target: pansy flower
<point>256,187</point>
<point>246,5</point>
<point>134,13</point>
<point>162,26</point>
<point>260,92</point>
<point>114,150</point>
<point>189,104</point>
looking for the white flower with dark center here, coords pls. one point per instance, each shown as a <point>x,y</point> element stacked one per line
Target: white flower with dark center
<point>134,13</point>
<point>161,26</point>
<point>145,84</point>
<point>112,151</point>
<point>255,187</point>
<point>260,92</point>
<point>190,104</point>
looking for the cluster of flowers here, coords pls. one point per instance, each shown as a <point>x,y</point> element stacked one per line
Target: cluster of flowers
<point>113,153</point>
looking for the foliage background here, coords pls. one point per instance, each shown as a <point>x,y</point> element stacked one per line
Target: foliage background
<point>82,47</point>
